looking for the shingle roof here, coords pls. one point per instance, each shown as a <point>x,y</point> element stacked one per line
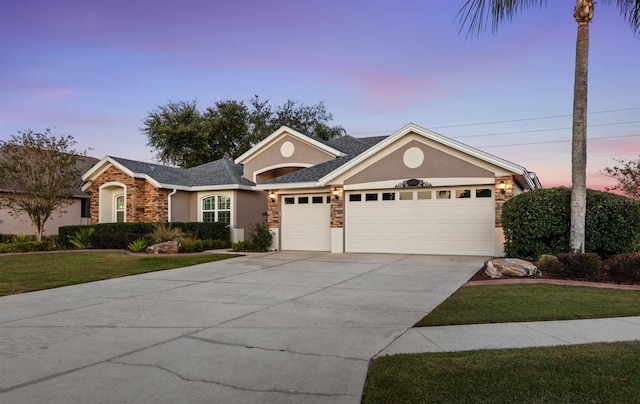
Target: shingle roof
<point>219,172</point>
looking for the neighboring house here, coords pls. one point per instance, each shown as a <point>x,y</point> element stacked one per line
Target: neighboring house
<point>77,213</point>
<point>414,191</point>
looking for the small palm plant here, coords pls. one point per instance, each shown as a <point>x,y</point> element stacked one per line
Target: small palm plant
<point>138,245</point>
<point>21,238</point>
<point>82,238</point>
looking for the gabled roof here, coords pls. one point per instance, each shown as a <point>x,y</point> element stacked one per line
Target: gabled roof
<point>359,149</point>
<point>221,173</point>
<point>284,129</point>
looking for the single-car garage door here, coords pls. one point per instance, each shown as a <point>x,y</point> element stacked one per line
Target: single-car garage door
<point>457,221</point>
<point>306,222</point>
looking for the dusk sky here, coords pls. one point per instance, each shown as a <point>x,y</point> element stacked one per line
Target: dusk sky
<point>95,69</point>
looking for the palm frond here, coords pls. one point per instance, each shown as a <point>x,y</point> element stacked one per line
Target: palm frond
<point>475,15</point>
<point>630,11</point>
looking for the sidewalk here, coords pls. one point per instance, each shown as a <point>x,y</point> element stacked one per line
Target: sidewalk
<point>514,335</point>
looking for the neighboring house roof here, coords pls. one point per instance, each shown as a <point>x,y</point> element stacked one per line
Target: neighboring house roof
<point>83,164</point>
<point>221,173</point>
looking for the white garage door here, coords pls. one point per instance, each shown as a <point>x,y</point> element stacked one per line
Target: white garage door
<point>306,222</point>
<point>457,221</point>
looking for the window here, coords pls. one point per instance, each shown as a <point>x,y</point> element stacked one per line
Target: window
<point>463,193</point>
<point>303,199</point>
<point>85,207</point>
<point>216,208</point>
<point>406,195</point>
<point>370,197</point>
<point>388,196</point>
<point>120,208</point>
<point>424,194</point>
<point>289,200</point>
<point>316,199</point>
<point>483,193</point>
<point>355,197</point>
<point>443,195</point>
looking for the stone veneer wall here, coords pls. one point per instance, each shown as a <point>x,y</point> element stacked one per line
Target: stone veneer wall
<point>337,207</point>
<point>502,198</point>
<point>273,212</point>
<point>145,202</point>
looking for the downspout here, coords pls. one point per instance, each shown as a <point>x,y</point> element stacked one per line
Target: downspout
<point>169,213</point>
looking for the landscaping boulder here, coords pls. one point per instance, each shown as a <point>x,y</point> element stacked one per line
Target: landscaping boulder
<point>167,247</point>
<point>510,267</point>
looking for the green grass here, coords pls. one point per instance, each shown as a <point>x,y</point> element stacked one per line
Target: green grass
<point>594,373</point>
<point>37,271</point>
<point>535,302</point>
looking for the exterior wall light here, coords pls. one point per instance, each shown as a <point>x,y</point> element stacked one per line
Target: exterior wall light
<point>503,187</point>
<point>272,196</point>
<point>336,193</point>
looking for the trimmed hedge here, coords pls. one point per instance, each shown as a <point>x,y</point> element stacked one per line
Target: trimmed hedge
<point>201,230</point>
<point>538,222</point>
<point>27,246</point>
<point>116,241</point>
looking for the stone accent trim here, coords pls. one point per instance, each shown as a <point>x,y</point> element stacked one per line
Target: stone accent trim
<point>145,202</point>
<point>502,198</point>
<point>273,211</point>
<point>337,206</point>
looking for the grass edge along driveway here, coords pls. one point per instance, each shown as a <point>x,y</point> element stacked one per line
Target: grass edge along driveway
<point>21,273</point>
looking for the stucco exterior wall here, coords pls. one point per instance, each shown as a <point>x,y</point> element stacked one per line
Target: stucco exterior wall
<point>303,155</point>
<point>22,225</point>
<point>251,207</point>
<point>181,207</point>
<point>436,164</point>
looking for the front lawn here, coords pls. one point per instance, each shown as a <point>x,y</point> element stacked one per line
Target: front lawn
<point>532,302</point>
<point>37,271</point>
<point>593,373</point>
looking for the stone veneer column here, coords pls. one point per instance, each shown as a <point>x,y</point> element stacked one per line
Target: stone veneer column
<point>273,219</point>
<point>501,198</point>
<point>337,219</point>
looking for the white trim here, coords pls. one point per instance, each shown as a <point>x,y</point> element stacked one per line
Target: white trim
<point>230,195</point>
<point>169,204</point>
<point>413,128</point>
<point>435,182</point>
<point>284,129</point>
<point>124,208</point>
<point>281,165</point>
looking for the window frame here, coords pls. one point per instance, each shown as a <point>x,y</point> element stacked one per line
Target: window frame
<point>218,204</point>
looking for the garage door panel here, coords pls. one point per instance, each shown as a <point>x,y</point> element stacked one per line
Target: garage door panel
<point>420,226</point>
<point>306,226</point>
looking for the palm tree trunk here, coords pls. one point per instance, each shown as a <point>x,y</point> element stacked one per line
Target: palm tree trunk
<point>583,14</point>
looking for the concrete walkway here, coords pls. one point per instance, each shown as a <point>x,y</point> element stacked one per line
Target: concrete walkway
<point>282,328</point>
<point>515,335</point>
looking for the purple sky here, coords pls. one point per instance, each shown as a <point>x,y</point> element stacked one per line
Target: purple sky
<point>94,69</point>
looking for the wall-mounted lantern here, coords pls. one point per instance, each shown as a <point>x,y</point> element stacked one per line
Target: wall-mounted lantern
<point>336,193</point>
<point>503,187</point>
<point>272,196</point>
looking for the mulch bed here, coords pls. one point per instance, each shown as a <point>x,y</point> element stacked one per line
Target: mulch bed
<point>481,279</point>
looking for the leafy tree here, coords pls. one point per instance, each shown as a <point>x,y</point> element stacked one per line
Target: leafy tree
<point>628,176</point>
<point>476,13</point>
<point>186,136</point>
<point>38,175</point>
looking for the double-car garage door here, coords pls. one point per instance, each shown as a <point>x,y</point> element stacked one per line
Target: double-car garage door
<point>457,221</point>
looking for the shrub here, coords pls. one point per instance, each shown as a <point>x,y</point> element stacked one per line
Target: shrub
<point>82,238</point>
<point>118,241</point>
<point>587,266</point>
<point>260,236</point>
<point>27,246</point>
<point>549,264</point>
<point>538,222</point>
<point>138,245</point>
<point>21,238</point>
<point>623,268</point>
<point>246,245</point>
<point>205,230</point>
<point>166,232</point>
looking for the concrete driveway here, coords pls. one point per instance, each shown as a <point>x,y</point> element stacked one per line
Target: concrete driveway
<point>287,327</point>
